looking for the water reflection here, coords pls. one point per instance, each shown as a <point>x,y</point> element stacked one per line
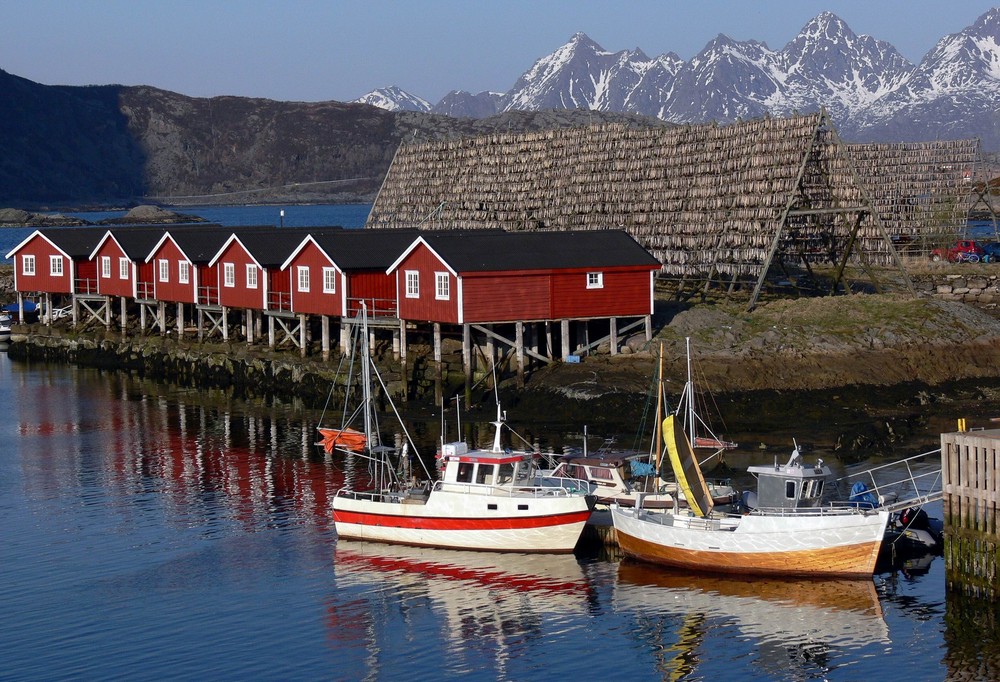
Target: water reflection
<point>811,625</point>
<point>206,465</point>
<point>487,607</point>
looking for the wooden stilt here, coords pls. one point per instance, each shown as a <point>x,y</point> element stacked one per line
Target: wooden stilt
<point>467,361</point>
<point>324,322</point>
<point>564,333</point>
<point>614,335</point>
<point>519,346</point>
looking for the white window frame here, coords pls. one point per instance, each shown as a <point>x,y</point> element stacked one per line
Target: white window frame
<point>412,280</point>
<point>106,267</point>
<point>329,280</point>
<point>27,265</point>
<point>229,275</point>
<point>442,286</point>
<point>56,266</point>
<point>251,276</point>
<point>183,272</point>
<point>302,279</point>
<point>164,266</point>
<point>124,268</point>
<point>595,280</point>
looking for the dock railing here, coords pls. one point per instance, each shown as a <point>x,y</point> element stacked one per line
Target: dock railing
<point>910,482</point>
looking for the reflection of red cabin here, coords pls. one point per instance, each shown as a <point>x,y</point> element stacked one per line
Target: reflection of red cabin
<point>520,276</point>
<point>332,272</point>
<point>57,261</point>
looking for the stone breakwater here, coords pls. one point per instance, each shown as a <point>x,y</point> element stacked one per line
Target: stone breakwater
<point>247,372</point>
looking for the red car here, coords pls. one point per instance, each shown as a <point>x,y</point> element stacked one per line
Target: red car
<point>964,251</point>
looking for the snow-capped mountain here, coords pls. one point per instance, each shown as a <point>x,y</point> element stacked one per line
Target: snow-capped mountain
<point>394,99</point>
<point>871,91</point>
<point>579,75</point>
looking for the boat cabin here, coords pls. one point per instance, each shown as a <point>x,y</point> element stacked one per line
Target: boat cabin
<point>486,467</point>
<point>789,486</point>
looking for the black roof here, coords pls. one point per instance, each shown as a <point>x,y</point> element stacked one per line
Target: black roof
<point>366,249</point>
<point>480,251</point>
<point>76,242</point>
<point>272,248</point>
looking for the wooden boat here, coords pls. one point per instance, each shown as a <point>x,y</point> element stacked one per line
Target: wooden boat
<point>489,500</point>
<point>817,541</point>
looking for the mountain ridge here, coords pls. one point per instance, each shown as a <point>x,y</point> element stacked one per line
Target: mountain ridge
<point>871,91</point>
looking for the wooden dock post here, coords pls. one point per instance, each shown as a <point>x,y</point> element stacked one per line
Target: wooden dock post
<point>970,479</point>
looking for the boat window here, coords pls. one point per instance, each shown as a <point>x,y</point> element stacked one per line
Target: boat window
<point>484,473</point>
<point>464,473</point>
<point>577,471</point>
<point>790,490</point>
<point>813,489</point>
<point>601,473</point>
<point>506,474</point>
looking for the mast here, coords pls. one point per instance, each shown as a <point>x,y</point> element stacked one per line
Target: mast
<point>659,412</point>
<point>689,391</point>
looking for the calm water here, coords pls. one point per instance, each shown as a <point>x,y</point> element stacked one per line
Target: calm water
<point>317,215</point>
<point>152,532</point>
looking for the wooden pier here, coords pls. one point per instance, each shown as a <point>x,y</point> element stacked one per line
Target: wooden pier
<point>970,463</point>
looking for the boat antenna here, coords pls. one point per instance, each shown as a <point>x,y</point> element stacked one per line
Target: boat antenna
<point>458,414</point>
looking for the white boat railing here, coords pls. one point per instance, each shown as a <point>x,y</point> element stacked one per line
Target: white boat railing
<point>909,482</point>
<point>515,490</point>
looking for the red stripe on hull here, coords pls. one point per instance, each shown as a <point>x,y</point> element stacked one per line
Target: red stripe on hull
<point>437,523</point>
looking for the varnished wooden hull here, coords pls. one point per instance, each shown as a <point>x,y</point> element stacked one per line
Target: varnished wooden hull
<point>830,545</point>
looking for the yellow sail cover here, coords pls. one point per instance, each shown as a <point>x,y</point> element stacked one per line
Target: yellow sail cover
<point>686,469</point>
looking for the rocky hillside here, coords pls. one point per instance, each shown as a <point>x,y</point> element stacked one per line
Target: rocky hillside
<point>112,144</point>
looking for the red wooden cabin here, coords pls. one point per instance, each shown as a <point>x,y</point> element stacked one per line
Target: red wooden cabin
<point>332,272</point>
<point>57,261</point>
<point>492,277</point>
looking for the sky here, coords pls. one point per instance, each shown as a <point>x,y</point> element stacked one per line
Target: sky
<point>318,50</point>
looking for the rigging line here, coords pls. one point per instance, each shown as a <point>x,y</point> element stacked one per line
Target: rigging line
<point>378,376</point>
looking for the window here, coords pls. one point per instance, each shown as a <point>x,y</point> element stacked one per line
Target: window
<point>123,268</point>
<point>228,275</point>
<point>251,276</point>
<point>303,278</point>
<point>164,269</point>
<point>412,284</point>
<point>484,474</point>
<point>790,490</point>
<point>464,474</point>
<point>442,291</point>
<point>595,280</point>
<point>106,267</point>
<point>56,266</point>
<point>183,272</point>
<point>27,265</point>
<point>329,280</point>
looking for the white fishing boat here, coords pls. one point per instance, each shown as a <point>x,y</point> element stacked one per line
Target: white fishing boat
<point>487,499</point>
<point>797,539</point>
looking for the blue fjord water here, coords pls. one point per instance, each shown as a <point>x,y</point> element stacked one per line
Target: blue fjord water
<point>157,532</point>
